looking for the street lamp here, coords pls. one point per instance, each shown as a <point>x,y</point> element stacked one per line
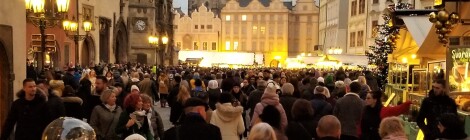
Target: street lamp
<point>73,33</point>
<point>154,41</point>
<point>42,18</point>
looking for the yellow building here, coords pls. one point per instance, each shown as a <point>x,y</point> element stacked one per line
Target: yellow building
<point>200,32</point>
<point>275,29</point>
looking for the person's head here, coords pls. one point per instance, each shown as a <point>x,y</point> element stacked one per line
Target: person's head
<point>198,82</point>
<point>135,89</point>
<point>302,110</point>
<point>339,84</point>
<point>283,80</point>
<point>451,123</point>
<point>42,84</point>
<point>108,97</point>
<point>261,84</point>
<point>355,87</point>
<point>391,125</point>
<point>374,98</point>
<point>146,75</point>
<point>245,83</point>
<point>92,73</point>
<point>276,77</point>
<point>109,75</point>
<point>195,105</point>
<point>225,98</point>
<point>183,94</point>
<point>68,91</point>
<point>439,87</point>
<point>29,87</point>
<point>146,101</point>
<point>213,84</point>
<point>57,85</point>
<point>287,89</point>
<point>133,102</point>
<point>118,87</point>
<point>330,126</point>
<point>101,83</point>
<point>272,116</point>
<point>362,80</point>
<point>177,78</point>
<point>236,89</point>
<point>262,131</point>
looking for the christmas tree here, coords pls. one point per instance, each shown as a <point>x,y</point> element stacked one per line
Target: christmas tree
<point>385,43</point>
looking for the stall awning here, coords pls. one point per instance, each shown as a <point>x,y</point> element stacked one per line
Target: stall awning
<point>418,26</point>
<point>344,58</point>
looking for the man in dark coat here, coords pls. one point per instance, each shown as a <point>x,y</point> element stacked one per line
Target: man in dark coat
<point>69,79</point>
<point>194,126</point>
<point>54,103</point>
<point>255,96</point>
<point>432,107</point>
<point>29,113</point>
<point>228,83</point>
<point>348,110</point>
<point>174,91</point>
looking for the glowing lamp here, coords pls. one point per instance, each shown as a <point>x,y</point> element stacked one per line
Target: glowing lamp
<point>63,6</point>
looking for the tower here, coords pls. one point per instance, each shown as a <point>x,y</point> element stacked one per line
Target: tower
<point>141,24</point>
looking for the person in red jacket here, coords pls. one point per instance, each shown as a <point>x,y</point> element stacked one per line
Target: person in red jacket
<point>374,112</point>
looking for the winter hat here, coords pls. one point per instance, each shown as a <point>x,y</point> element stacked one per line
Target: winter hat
<point>339,84</point>
<point>321,79</point>
<point>135,87</point>
<point>135,137</point>
<point>321,90</point>
<point>213,84</point>
<point>270,92</point>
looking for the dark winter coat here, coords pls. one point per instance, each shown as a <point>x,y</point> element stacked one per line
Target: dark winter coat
<point>176,111</point>
<point>173,94</point>
<point>287,101</point>
<point>248,89</point>
<point>213,97</point>
<point>301,130</point>
<point>348,110</point>
<point>320,106</point>
<point>194,127</point>
<point>254,98</point>
<point>69,79</point>
<point>228,83</point>
<point>30,117</point>
<point>121,129</point>
<point>84,92</point>
<point>430,109</point>
<point>370,123</point>
<point>156,123</point>
<point>73,107</point>
<point>56,106</point>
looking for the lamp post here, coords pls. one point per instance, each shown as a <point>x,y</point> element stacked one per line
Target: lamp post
<point>155,41</point>
<point>73,32</point>
<point>42,18</point>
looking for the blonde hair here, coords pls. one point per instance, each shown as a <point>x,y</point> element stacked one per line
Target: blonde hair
<point>362,80</point>
<point>391,125</point>
<point>183,94</point>
<point>262,131</point>
<point>287,89</point>
<point>85,75</point>
<point>105,95</point>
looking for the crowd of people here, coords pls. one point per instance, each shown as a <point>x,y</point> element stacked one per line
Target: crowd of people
<point>119,101</point>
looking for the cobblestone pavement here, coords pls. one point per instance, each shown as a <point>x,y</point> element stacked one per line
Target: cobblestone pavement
<point>165,114</point>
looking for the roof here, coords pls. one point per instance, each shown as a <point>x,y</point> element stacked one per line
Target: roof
<point>179,11</point>
<point>265,3</point>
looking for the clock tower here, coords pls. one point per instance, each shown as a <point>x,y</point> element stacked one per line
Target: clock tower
<point>141,24</point>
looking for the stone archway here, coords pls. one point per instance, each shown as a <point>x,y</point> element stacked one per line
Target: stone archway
<point>120,46</point>
<point>5,94</point>
<point>87,56</point>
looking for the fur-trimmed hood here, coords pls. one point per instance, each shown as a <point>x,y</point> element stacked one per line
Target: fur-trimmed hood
<point>72,100</point>
<point>226,112</point>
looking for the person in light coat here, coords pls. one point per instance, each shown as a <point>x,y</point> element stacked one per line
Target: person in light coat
<point>228,118</point>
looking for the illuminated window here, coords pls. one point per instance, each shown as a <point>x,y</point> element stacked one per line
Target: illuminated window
<point>204,46</point>
<point>227,45</point>
<point>263,30</point>
<point>214,46</point>
<point>195,46</point>
<point>235,45</point>
<point>243,17</point>
<point>255,29</point>
<point>227,18</point>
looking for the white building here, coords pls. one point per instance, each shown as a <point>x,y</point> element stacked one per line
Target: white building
<point>333,25</point>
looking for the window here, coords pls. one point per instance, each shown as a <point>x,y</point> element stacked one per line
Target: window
<point>263,30</point>
<point>88,12</point>
<point>375,1</point>
<point>235,18</point>
<point>255,29</point>
<point>235,45</point>
<point>353,7</point>
<point>227,45</point>
<point>195,46</point>
<point>262,18</point>
<point>261,46</point>
<point>227,30</point>
<point>235,29</point>
<point>360,38</point>
<point>352,39</point>
<point>271,47</point>
<point>362,6</point>
<point>202,26</point>
<point>375,28</point>
<point>227,18</point>
<point>204,46</point>
<point>175,27</point>
<point>271,29</point>
<point>243,29</point>
<point>209,26</point>
<point>255,18</point>
<point>195,27</point>
<point>309,18</point>
<point>214,46</point>
<point>271,17</point>
<point>466,40</point>
<point>279,17</point>
<point>243,17</point>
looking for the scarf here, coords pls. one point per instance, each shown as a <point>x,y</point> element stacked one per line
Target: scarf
<point>111,108</point>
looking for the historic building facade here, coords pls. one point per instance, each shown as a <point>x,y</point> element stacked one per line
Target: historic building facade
<point>272,28</point>
<point>214,5</point>
<point>333,25</point>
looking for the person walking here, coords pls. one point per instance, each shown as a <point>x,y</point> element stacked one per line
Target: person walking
<point>29,113</point>
<point>228,118</point>
<point>348,110</point>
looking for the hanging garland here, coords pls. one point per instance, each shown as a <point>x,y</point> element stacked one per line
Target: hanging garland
<point>385,44</point>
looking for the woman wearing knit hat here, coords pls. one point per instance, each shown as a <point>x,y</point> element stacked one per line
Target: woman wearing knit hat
<point>269,98</point>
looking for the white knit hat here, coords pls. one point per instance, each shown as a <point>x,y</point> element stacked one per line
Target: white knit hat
<point>321,79</point>
<point>135,137</point>
<point>135,87</point>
